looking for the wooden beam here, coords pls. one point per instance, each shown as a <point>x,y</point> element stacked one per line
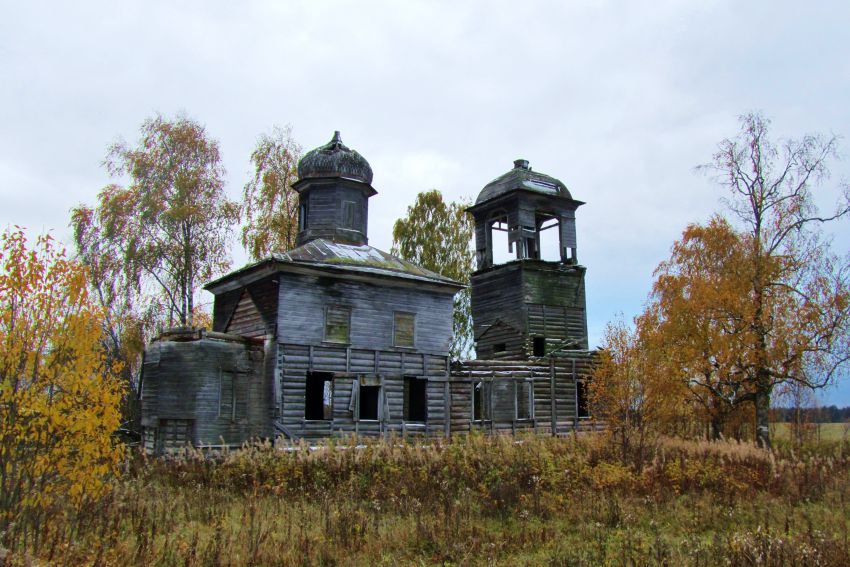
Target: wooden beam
<point>552,395</point>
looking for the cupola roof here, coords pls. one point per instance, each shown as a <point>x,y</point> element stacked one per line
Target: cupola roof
<point>521,177</point>
<point>335,159</point>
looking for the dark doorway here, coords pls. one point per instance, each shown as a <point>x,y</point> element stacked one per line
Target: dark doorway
<point>582,406</point>
<point>539,346</point>
<point>480,401</point>
<point>318,398</point>
<point>369,397</point>
<point>415,399</point>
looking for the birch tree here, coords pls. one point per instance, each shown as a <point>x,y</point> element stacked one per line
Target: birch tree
<point>269,201</point>
<point>437,235</point>
<point>171,225</point>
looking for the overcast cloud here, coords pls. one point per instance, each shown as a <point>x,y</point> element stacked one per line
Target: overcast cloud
<point>619,100</point>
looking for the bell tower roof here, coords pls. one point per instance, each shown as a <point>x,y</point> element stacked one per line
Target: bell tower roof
<point>522,178</point>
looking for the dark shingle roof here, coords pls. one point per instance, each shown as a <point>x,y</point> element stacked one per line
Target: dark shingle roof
<point>521,177</point>
<point>335,159</point>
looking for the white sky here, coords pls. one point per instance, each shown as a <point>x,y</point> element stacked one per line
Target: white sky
<point>619,100</point>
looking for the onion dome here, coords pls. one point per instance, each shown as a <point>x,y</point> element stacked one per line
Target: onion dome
<point>522,178</point>
<point>335,159</point>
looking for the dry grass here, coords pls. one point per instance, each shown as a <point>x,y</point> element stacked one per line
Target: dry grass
<point>829,432</point>
<point>471,501</point>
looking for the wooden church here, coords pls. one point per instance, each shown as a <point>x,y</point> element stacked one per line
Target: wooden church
<point>336,337</point>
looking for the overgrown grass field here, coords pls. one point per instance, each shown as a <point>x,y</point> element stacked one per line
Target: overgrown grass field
<point>830,432</point>
<point>470,501</point>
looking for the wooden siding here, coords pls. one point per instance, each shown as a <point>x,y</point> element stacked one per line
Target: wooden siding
<point>351,367</point>
<point>337,210</point>
<point>303,300</point>
<point>223,307</point>
<point>212,389</point>
<point>537,298</point>
<point>550,375</point>
<point>250,311</point>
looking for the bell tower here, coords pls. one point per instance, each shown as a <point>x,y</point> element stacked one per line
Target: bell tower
<point>528,297</point>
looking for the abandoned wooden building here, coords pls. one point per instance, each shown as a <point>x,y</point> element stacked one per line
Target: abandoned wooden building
<point>335,337</point>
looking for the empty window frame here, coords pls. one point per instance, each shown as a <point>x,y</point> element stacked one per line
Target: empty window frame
<point>481,401</point>
<point>415,399</point>
<point>549,235</point>
<point>318,396</point>
<point>302,215</point>
<point>524,399</point>
<point>500,347</point>
<point>338,324</point>
<point>404,329</point>
<point>538,346</point>
<point>370,402</point>
<point>582,404</point>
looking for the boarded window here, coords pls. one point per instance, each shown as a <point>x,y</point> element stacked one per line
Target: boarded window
<point>539,346</point>
<point>369,402</point>
<point>337,323</point>
<point>582,405</point>
<point>232,395</point>
<point>173,435</point>
<point>226,405</point>
<point>480,401</point>
<point>404,328</point>
<point>318,397</point>
<point>351,215</point>
<point>415,399</point>
<point>524,399</point>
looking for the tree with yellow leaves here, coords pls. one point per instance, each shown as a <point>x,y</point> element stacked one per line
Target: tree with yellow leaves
<point>59,395</point>
<point>629,393</point>
<point>269,201</point>
<point>696,322</point>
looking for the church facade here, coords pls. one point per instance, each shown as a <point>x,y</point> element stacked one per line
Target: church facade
<point>337,338</point>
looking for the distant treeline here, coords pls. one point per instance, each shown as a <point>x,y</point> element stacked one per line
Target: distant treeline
<point>825,414</point>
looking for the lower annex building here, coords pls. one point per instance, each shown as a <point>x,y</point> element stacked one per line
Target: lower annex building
<point>335,337</point>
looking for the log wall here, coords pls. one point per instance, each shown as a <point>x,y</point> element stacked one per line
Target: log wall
<point>204,389</point>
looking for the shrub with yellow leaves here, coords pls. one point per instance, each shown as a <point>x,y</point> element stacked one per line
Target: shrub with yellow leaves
<point>59,397</point>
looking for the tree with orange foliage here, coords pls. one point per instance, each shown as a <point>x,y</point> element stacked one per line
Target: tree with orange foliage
<point>59,395</point>
<point>795,322</point>
<point>629,393</point>
<point>696,321</point>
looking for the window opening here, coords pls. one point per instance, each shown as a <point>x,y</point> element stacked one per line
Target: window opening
<point>404,329</point>
<point>500,347</point>
<point>550,238</point>
<point>502,247</point>
<point>539,346</point>
<point>529,238</point>
<point>480,403</point>
<point>524,399</point>
<point>369,402</point>
<point>318,397</point>
<point>582,405</point>
<point>415,399</point>
<point>337,323</point>
<point>302,216</point>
